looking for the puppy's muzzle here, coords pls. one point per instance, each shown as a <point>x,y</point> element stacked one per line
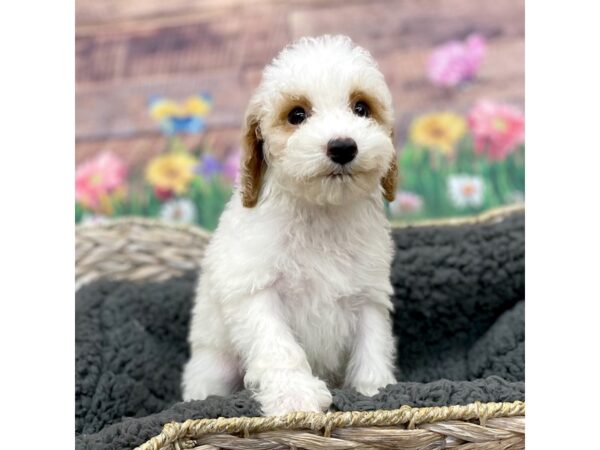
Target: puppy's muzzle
<point>342,150</point>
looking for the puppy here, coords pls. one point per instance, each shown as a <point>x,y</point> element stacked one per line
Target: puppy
<point>294,288</point>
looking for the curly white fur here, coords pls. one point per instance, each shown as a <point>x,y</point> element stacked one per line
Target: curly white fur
<point>294,292</point>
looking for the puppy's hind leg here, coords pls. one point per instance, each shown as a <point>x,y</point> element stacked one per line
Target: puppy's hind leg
<point>210,372</point>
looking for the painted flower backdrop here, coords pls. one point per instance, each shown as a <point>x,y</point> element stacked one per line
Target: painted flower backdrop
<point>180,185</point>
<point>451,163</point>
<point>457,164</point>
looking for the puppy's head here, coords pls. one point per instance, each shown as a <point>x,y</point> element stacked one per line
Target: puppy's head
<point>320,125</point>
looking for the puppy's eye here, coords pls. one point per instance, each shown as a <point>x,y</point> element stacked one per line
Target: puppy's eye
<point>296,116</point>
<point>361,109</point>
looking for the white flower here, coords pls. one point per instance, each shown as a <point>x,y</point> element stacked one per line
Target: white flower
<point>93,219</point>
<point>465,190</point>
<point>406,203</point>
<point>180,210</point>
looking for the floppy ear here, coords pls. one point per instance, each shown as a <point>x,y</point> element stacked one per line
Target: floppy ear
<point>389,181</point>
<point>252,161</point>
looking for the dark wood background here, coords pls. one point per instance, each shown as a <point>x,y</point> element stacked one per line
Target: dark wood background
<point>128,50</point>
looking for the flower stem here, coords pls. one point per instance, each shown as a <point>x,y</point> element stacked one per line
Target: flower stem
<point>495,180</point>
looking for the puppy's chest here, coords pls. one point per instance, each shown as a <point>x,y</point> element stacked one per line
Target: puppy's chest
<point>326,266</point>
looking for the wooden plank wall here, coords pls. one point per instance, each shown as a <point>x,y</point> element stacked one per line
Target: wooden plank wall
<point>127,51</point>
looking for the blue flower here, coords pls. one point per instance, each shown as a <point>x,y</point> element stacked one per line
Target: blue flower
<point>176,125</point>
<point>186,117</point>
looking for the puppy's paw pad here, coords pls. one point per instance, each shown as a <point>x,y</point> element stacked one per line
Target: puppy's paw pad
<point>368,390</point>
<point>285,393</point>
<point>371,387</point>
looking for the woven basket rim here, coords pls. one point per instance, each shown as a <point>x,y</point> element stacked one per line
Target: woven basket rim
<point>486,216</point>
<point>146,222</point>
<point>325,422</point>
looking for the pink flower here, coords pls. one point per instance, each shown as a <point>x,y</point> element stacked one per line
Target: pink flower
<point>455,62</point>
<point>98,177</point>
<point>406,203</point>
<point>498,128</point>
<point>231,169</point>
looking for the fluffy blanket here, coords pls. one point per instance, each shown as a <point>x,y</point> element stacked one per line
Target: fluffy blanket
<point>459,319</point>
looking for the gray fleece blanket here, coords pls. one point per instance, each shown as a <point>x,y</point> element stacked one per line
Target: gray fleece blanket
<point>459,319</point>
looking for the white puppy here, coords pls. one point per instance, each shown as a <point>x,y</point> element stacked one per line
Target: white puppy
<point>294,287</point>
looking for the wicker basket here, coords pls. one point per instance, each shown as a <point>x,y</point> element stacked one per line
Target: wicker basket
<point>136,249</point>
<point>147,250</point>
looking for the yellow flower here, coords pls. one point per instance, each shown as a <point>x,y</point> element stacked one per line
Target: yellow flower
<point>165,108</point>
<point>197,106</point>
<point>171,172</point>
<point>439,131</point>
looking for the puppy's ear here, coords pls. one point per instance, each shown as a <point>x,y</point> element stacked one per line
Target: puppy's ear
<point>251,165</point>
<point>389,181</point>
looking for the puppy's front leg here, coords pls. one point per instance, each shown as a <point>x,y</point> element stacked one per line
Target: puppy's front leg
<point>371,364</point>
<point>276,366</point>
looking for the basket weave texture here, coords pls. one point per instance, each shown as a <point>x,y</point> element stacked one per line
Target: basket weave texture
<point>137,249</point>
<point>501,426</point>
<point>140,249</point>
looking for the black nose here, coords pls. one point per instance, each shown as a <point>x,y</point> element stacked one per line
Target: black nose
<point>341,150</point>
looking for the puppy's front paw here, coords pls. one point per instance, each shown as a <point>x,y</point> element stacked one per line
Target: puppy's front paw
<point>284,391</point>
<point>369,385</point>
